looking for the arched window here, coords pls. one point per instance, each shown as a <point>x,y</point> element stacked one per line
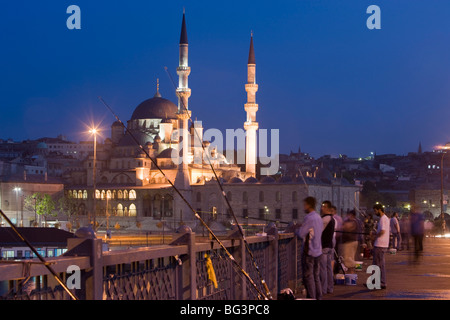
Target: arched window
<point>84,194</point>
<point>278,196</point>
<point>119,194</point>
<point>229,196</point>
<point>245,197</point>
<point>157,206</point>
<point>119,209</point>
<point>108,194</point>
<point>103,195</point>
<point>69,194</point>
<point>97,194</point>
<point>199,197</point>
<point>168,205</point>
<point>82,209</point>
<point>80,194</point>
<point>261,196</point>
<point>294,196</point>
<point>114,194</point>
<point>125,194</point>
<point>125,212</point>
<point>132,211</point>
<point>132,195</point>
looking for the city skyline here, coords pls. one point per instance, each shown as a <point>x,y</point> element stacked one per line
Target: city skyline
<point>357,78</point>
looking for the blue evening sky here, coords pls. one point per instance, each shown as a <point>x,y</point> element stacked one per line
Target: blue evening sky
<point>327,82</point>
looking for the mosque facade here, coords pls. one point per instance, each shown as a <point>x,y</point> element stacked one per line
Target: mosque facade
<point>132,192</point>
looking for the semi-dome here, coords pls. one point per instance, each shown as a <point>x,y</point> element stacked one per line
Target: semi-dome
<point>166,154</point>
<point>251,180</point>
<point>286,179</point>
<point>267,179</point>
<point>155,108</point>
<point>235,180</point>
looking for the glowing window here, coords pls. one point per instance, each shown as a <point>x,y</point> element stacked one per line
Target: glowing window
<point>132,211</point>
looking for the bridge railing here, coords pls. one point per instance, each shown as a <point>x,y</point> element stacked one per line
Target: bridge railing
<point>166,272</point>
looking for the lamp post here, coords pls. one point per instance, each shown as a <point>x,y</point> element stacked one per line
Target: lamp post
<point>17,190</point>
<point>445,147</point>
<point>94,132</point>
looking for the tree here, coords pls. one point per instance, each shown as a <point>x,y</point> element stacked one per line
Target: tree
<point>67,205</point>
<point>42,204</point>
<point>30,204</point>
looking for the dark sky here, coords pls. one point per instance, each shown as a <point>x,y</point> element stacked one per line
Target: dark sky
<point>327,82</point>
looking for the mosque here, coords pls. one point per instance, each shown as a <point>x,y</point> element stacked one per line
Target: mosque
<point>132,193</point>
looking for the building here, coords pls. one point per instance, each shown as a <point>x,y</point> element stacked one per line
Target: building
<point>49,242</point>
<point>131,191</point>
<point>14,189</point>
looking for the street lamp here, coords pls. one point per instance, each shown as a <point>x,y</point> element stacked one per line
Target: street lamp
<point>17,190</point>
<point>94,131</point>
<point>445,147</point>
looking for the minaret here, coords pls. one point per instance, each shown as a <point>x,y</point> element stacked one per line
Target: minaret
<point>251,107</point>
<point>183,114</point>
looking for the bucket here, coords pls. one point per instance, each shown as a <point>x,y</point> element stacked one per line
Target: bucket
<point>340,279</point>
<point>350,279</point>
<point>358,265</point>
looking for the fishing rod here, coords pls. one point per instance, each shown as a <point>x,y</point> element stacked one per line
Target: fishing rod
<point>255,218</point>
<point>236,264</point>
<point>49,268</point>
<point>247,246</point>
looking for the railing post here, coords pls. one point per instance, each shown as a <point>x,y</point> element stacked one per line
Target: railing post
<point>188,272</point>
<point>273,259</point>
<point>86,244</point>
<point>243,262</point>
<point>192,267</point>
<point>295,264</point>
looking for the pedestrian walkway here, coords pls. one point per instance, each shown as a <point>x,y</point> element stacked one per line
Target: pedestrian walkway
<point>427,279</point>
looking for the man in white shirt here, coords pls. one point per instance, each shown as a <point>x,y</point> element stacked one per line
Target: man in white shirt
<point>381,243</point>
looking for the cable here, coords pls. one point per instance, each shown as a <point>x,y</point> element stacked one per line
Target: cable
<point>263,282</point>
<point>58,279</point>
<point>187,202</point>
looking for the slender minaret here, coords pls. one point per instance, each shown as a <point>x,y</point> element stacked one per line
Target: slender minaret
<point>183,114</point>
<point>251,107</point>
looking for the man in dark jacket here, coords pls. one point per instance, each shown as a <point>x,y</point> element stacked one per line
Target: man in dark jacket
<point>326,270</point>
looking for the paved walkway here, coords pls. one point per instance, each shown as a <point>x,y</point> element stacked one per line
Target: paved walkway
<point>428,279</point>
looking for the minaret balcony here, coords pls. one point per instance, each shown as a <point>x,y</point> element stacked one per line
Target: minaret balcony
<point>251,107</point>
<point>252,87</point>
<point>183,70</point>
<point>183,92</point>
<point>251,125</point>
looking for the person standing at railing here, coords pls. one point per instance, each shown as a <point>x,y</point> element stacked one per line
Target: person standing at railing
<point>381,243</point>
<point>326,271</point>
<point>395,230</point>
<point>311,233</point>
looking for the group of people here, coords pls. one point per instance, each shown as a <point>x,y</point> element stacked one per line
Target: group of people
<point>327,238</point>
<point>326,234</point>
<point>403,229</point>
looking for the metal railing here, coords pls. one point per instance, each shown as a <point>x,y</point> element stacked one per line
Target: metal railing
<point>168,272</point>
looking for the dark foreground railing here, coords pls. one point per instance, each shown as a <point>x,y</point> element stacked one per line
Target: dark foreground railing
<point>169,272</point>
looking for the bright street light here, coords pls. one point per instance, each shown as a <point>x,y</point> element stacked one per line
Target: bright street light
<point>94,131</point>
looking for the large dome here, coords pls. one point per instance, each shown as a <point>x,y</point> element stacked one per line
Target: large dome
<point>155,108</point>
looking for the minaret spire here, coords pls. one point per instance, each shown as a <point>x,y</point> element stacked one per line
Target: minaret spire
<point>183,35</point>
<point>251,53</point>
<point>157,94</point>
<point>251,107</point>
